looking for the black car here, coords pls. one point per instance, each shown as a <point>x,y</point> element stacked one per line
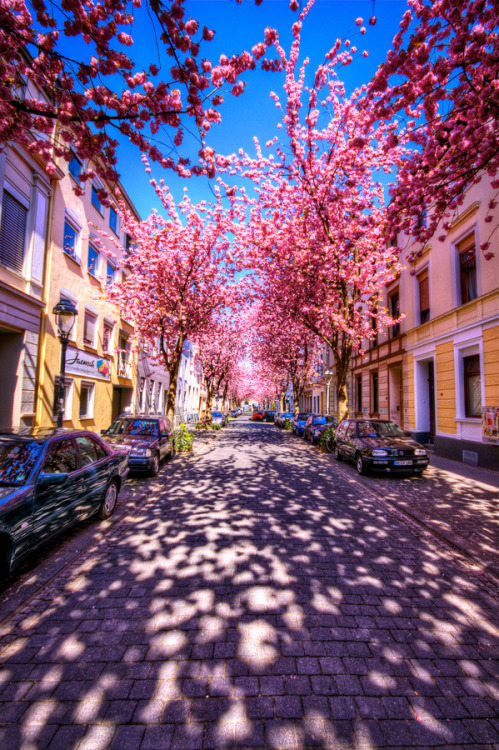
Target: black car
<point>147,440</point>
<point>379,445</point>
<point>315,426</point>
<point>49,480</point>
<point>268,416</point>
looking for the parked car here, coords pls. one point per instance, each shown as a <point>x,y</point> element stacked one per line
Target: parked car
<point>379,445</point>
<point>147,440</point>
<point>258,416</point>
<point>49,480</point>
<point>218,418</point>
<point>268,416</point>
<point>299,423</point>
<point>281,418</point>
<point>315,426</point>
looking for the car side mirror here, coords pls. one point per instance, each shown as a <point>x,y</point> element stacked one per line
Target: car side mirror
<point>51,479</point>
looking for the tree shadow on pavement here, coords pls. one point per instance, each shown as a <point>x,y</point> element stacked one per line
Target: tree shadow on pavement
<point>259,600</point>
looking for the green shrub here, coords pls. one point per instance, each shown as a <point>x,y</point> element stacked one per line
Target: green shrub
<point>330,432</point>
<point>216,426</point>
<point>288,424</point>
<point>182,439</point>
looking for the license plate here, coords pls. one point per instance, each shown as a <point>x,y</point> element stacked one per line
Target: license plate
<point>403,463</point>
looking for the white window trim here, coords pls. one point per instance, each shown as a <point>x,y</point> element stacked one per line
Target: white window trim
<point>109,325</point>
<point>417,301</point>
<point>68,405</point>
<point>91,312</point>
<point>90,385</point>
<point>70,219</point>
<point>97,267</point>
<point>468,348</point>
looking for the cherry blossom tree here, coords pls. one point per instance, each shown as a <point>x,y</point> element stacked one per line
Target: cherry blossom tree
<point>441,84</point>
<point>316,230</point>
<point>220,347</point>
<point>176,278</point>
<point>286,349</point>
<point>57,105</point>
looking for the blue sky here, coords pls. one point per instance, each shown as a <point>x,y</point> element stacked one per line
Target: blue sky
<point>238,27</point>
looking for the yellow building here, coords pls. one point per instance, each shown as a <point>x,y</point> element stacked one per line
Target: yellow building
<point>100,372</point>
<point>437,372</point>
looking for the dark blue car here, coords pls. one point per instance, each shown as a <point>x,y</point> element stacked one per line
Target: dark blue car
<point>299,423</point>
<point>49,481</point>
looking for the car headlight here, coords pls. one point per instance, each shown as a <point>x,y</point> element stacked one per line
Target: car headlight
<point>141,452</point>
<point>379,452</point>
<point>420,452</point>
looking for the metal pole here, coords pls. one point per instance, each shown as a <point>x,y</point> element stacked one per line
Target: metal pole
<point>62,376</point>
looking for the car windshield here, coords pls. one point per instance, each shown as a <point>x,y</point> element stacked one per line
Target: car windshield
<point>216,413</point>
<point>319,420</point>
<point>379,429</point>
<point>288,415</point>
<point>147,427</point>
<point>17,459</point>
<point>302,417</point>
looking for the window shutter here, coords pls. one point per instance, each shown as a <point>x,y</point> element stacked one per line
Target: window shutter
<point>12,232</point>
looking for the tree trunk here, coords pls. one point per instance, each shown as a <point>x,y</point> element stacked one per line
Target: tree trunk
<point>171,393</point>
<point>296,398</point>
<point>342,399</point>
<point>281,402</point>
<point>209,402</point>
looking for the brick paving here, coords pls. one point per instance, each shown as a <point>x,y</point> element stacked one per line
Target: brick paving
<point>260,598</point>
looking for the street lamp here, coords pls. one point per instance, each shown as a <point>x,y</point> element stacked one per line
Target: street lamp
<point>65,313</point>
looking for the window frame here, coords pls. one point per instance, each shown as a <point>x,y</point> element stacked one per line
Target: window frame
<point>395,328</point>
<point>75,158</point>
<point>94,198</point>
<point>424,272</point>
<point>89,386</point>
<point>76,228</point>
<point>466,378</point>
<point>116,227</point>
<point>374,392</point>
<point>95,272</point>
<point>24,204</point>
<point>90,314</point>
<point>464,269</point>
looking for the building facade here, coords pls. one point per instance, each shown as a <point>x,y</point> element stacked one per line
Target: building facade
<point>436,373</point>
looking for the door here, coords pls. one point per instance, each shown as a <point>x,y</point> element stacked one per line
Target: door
<point>95,472</point>
<point>55,503</point>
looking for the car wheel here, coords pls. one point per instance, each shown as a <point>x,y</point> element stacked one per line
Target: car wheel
<point>155,466</point>
<point>359,463</point>
<point>337,453</point>
<point>110,498</point>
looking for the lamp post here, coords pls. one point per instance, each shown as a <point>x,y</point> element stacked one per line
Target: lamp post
<point>65,313</point>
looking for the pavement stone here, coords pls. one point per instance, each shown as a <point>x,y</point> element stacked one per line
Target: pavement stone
<point>260,596</point>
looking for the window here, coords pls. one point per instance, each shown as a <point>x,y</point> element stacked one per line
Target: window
<point>13,232</point>
<point>90,450</point>
<point>110,273</point>
<point>374,327</point>
<point>395,313</point>
<point>87,391</point>
<point>374,393</point>
<point>467,270</point>
<point>75,168</point>
<point>70,243</point>
<point>113,220</point>
<point>472,386</point>
<point>93,260</point>
<point>424,296</point>
<point>61,458</point>
<point>89,328</point>
<point>358,391</point>
<point>123,357</point>
<point>107,338</point>
<point>67,399</point>
<point>95,199</point>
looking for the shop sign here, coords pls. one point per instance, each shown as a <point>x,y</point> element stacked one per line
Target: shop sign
<point>490,424</point>
<point>87,365</point>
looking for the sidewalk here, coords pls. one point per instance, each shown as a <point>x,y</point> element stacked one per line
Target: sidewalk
<point>457,502</point>
<point>475,473</point>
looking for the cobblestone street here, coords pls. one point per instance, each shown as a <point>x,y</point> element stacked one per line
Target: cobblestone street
<point>262,596</point>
